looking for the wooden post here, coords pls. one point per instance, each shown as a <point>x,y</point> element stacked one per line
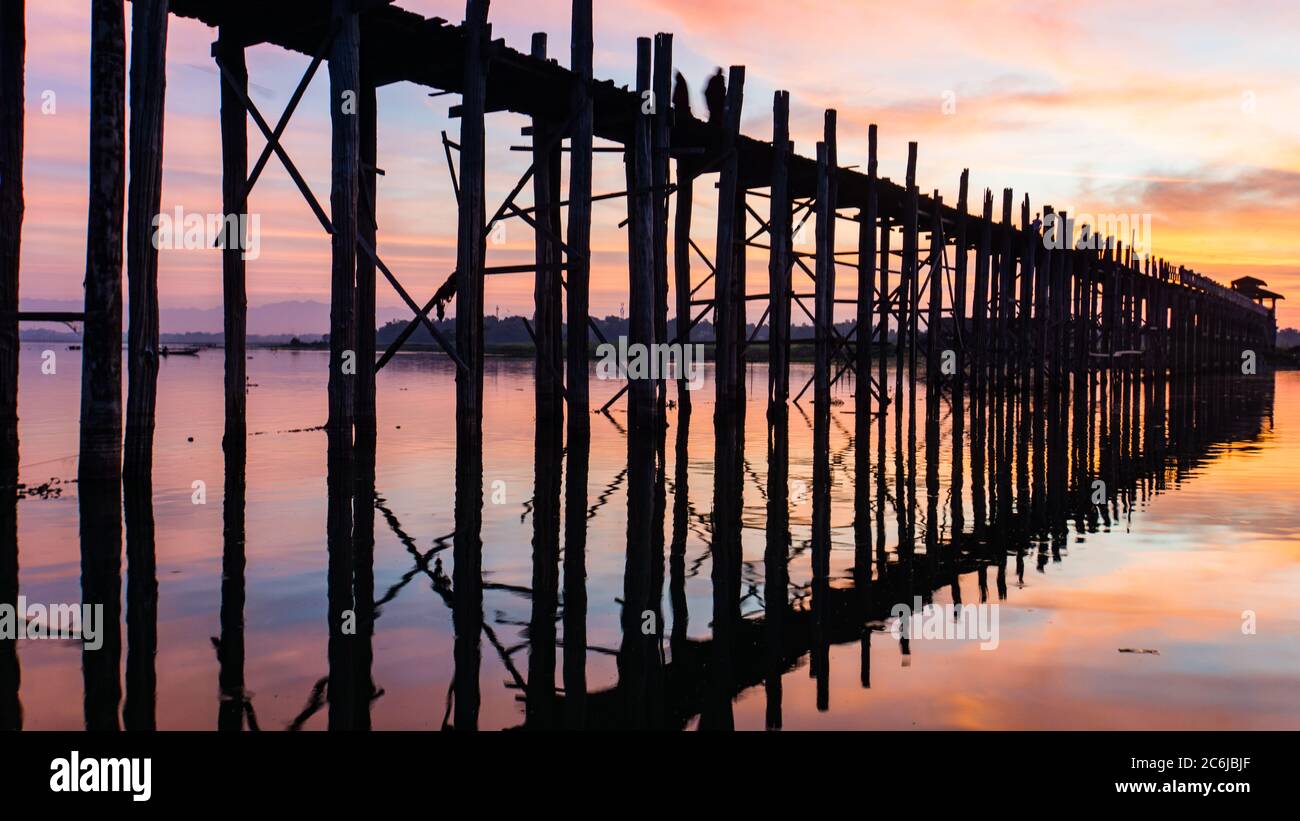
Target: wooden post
<point>824,309</point>
<point>661,146</point>
<point>546,282</point>
<point>862,391</point>
<point>234,175</point>
<point>780,258</point>
<point>979,304</point>
<point>724,317</point>
<point>345,84</point>
<point>101,363</point>
<point>148,82</point>
<point>367,221</point>
<point>909,284</point>
<point>579,228</point>
<point>681,266</point>
<point>641,231</point>
<point>885,302</point>
<point>1024,327</point>
<point>866,304</point>
<point>932,322</point>
<point>960,264</point>
<point>13,49</point>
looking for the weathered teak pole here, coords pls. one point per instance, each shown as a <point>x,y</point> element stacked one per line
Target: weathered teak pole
<point>13,49</point>
<point>101,362</point>
<point>725,308</point>
<point>367,227</point>
<point>681,266</point>
<point>234,176</point>
<point>933,312</point>
<point>866,302</point>
<point>345,82</point>
<point>960,264</point>
<point>546,282</point>
<point>907,287</point>
<point>579,228</point>
<point>824,308</point>
<point>780,258</point>
<point>641,233</point>
<point>470,245</point>
<point>148,83</point>
<point>882,364</point>
<point>661,145</point>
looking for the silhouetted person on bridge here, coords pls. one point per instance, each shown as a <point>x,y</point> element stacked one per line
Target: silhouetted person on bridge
<point>715,94</point>
<point>682,98</point>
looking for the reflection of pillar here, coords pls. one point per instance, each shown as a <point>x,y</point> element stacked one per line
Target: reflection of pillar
<point>341,611</point>
<point>575,570</point>
<point>141,599</point>
<point>230,649</point>
<point>467,574</point>
<point>547,462</point>
<point>363,583</point>
<point>776,572</point>
<point>638,656</point>
<point>725,550</point>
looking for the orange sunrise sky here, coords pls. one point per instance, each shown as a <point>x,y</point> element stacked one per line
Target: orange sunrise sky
<point>1188,111</point>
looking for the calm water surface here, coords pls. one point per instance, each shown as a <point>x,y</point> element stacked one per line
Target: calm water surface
<point>1199,528</point>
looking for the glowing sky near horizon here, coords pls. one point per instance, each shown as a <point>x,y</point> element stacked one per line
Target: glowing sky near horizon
<point>1188,111</point>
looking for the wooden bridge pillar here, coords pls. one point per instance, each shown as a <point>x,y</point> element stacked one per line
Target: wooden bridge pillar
<point>101,362</point>
<point>641,233</point>
<point>661,143</point>
<point>725,291</point>
<point>780,257</point>
<point>234,177</point>
<point>470,243</point>
<point>547,316</point>
<point>824,308</point>
<point>866,303</point>
<point>959,275</point>
<point>148,81</point>
<point>345,82</point>
<point>579,227</point>
<point>933,314</point>
<point>907,274</point>
<point>980,300</point>
<point>368,228</point>
<point>13,50</point>
<point>682,265</point>
<point>886,301</point>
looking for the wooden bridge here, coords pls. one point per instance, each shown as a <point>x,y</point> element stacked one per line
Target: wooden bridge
<point>1018,314</point>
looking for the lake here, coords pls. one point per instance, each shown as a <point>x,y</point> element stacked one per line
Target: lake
<point>1163,598</point>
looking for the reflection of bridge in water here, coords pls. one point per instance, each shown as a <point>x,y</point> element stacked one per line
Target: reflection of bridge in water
<point>1138,435</point>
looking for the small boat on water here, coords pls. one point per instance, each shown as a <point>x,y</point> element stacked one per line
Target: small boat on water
<point>166,351</point>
